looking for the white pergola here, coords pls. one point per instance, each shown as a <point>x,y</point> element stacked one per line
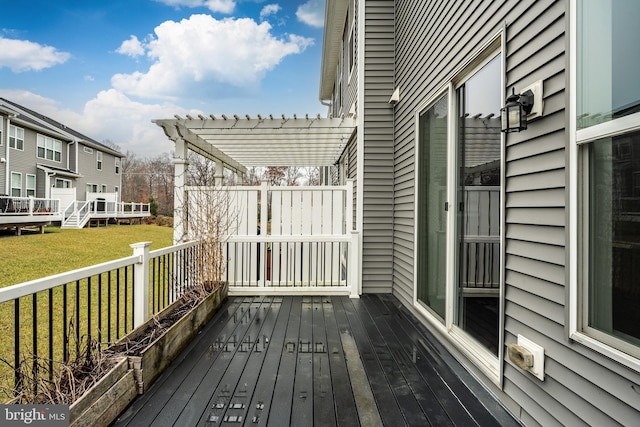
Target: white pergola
<point>241,142</point>
<point>237,143</point>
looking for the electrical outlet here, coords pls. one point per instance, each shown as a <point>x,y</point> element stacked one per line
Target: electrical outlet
<point>538,356</point>
<point>538,103</point>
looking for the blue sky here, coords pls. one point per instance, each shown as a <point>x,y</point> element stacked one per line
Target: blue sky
<point>108,67</point>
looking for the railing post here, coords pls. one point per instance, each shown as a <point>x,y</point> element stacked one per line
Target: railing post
<point>264,225</point>
<point>354,265</point>
<point>348,212</point>
<point>31,203</point>
<point>141,283</point>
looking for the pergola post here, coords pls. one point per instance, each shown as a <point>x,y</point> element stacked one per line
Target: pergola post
<point>219,175</point>
<point>180,164</point>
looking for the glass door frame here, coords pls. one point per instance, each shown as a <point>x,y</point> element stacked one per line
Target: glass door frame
<point>483,359</point>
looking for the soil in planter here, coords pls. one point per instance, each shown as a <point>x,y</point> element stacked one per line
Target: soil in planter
<point>141,340</point>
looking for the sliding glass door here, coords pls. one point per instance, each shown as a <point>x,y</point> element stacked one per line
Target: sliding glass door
<point>478,190</point>
<point>458,263</point>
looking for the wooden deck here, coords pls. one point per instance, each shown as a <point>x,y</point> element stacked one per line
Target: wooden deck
<point>321,361</point>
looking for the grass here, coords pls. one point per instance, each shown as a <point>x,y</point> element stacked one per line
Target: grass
<point>34,256</point>
<point>56,251</point>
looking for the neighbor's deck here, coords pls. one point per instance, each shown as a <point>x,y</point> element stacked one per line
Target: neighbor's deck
<point>321,361</point>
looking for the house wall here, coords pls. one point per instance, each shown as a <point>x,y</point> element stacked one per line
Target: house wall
<point>377,131</point>
<point>91,175</point>
<point>3,151</point>
<point>25,161</point>
<point>581,387</point>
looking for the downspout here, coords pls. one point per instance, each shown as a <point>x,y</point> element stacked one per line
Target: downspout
<point>7,171</point>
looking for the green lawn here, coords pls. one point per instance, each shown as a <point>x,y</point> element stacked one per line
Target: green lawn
<point>33,256</point>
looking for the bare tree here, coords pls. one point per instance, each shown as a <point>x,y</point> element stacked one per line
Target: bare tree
<point>275,175</point>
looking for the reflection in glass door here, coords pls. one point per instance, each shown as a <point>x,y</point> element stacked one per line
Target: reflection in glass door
<point>478,192</point>
<point>432,223</point>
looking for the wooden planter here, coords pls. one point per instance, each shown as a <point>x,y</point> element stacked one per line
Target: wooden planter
<point>132,375</point>
<point>103,402</point>
<point>160,353</point>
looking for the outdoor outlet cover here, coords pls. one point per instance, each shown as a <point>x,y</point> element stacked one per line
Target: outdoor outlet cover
<point>538,103</point>
<point>538,356</point>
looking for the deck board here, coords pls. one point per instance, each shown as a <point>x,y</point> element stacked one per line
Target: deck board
<point>281,361</point>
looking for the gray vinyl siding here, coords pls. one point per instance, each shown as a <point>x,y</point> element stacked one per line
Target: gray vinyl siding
<point>90,173</point>
<point>25,161</point>
<point>3,151</point>
<point>433,38</point>
<point>377,228</point>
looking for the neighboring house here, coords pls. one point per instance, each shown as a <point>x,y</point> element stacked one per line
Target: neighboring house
<point>492,239</point>
<point>44,158</point>
<point>52,173</point>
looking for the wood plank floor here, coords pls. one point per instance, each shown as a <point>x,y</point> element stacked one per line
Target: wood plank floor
<point>321,361</point>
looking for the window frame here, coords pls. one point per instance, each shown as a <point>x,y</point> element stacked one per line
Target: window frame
<point>66,181</point>
<point>15,138</point>
<point>580,141</point>
<point>19,174</point>
<point>117,163</point>
<point>26,185</point>
<point>99,160</point>
<point>42,142</point>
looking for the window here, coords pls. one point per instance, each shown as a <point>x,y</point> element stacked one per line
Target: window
<point>49,148</point>
<point>607,154</point>
<point>31,185</point>
<point>62,183</point>
<point>16,184</point>
<point>99,160</point>
<point>92,188</point>
<point>116,189</point>
<point>103,188</point>
<point>16,137</point>
<point>117,165</point>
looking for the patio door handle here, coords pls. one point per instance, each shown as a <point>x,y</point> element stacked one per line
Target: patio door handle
<point>446,206</point>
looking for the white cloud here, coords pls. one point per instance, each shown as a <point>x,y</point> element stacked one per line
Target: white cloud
<point>201,49</point>
<point>23,55</point>
<point>132,47</point>
<point>220,6</point>
<point>311,13</point>
<point>268,10</point>
<point>110,116</point>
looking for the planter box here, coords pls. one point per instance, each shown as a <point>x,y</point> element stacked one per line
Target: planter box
<point>103,402</point>
<point>160,353</point>
<point>132,375</point>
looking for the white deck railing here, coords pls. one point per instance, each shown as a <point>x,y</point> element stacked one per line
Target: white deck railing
<point>27,206</point>
<point>307,246</point>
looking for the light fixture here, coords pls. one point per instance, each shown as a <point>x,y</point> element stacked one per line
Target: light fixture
<point>514,113</point>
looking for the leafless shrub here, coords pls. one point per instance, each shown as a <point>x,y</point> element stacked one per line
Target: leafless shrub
<point>43,381</point>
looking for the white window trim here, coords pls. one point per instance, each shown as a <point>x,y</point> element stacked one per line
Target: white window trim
<point>55,142</point>
<point>26,185</point>
<point>99,160</point>
<point>15,137</point>
<point>118,165</point>
<point>63,180</point>
<point>11,187</point>
<point>576,139</point>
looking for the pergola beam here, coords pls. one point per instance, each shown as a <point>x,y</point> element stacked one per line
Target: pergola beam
<point>264,141</point>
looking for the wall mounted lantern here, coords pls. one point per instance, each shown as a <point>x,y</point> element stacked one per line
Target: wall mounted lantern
<point>514,113</point>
